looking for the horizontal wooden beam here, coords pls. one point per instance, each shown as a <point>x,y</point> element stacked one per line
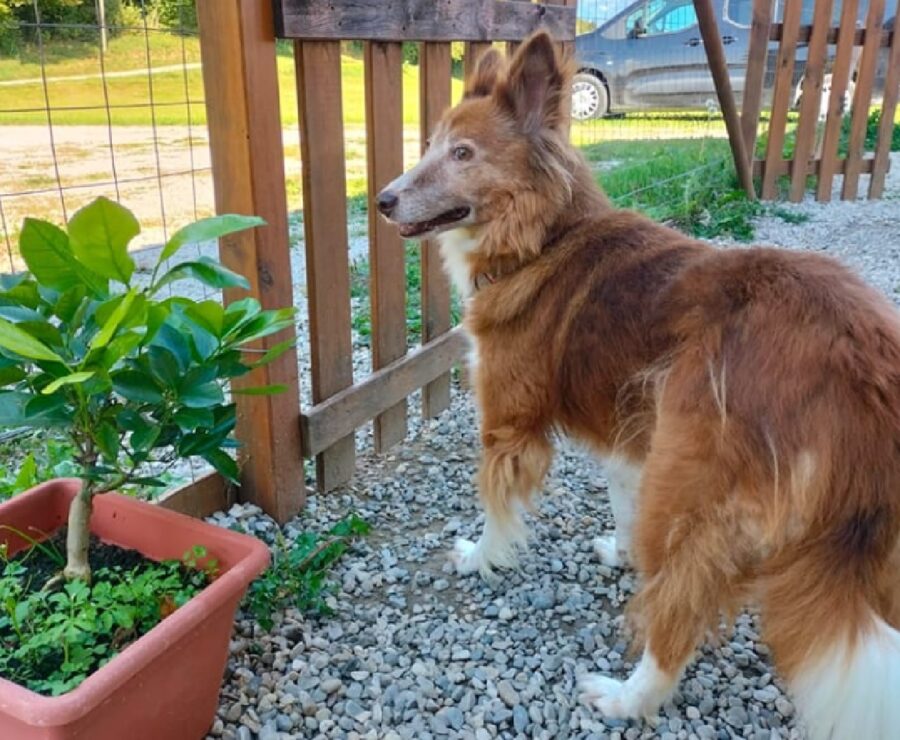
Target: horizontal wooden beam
<point>200,498</point>
<point>343,413</point>
<point>421,20</point>
<point>783,167</point>
<point>859,38</point>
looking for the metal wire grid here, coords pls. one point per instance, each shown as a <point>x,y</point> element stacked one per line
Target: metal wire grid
<point>39,29</point>
<point>115,180</point>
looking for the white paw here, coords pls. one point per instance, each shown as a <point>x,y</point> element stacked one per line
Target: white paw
<point>610,697</point>
<point>608,551</point>
<point>465,557</point>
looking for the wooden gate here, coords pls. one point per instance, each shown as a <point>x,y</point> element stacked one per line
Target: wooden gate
<point>815,152</point>
<point>239,66</point>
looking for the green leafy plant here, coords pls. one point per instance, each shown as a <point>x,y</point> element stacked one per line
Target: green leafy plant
<point>128,376</point>
<point>298,575</point>
<point>51,641</point>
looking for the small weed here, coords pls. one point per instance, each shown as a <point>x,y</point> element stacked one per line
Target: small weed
<point>53,640</point>
<point>299,573</point>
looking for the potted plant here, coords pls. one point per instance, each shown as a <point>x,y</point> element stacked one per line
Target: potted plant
<point>132,374</point>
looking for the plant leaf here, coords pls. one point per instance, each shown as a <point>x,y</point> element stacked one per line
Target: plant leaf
<point>260,390</point>
<point>23,344</point>
<point>223,463</point>
<point>99,235</point>
<point>202,396</point>
<point>67,380</point>
<point>206,229</point>
<point>102,337</point>
<point>48,255</point>
<point>207,271</point>
<point>136,386</point>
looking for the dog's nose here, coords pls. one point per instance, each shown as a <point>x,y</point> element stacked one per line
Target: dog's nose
<point>387,202</point>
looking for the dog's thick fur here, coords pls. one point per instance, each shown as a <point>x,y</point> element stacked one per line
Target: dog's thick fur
<point>755,392</point>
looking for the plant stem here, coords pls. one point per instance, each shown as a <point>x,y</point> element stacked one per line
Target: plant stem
<point>79,535</point>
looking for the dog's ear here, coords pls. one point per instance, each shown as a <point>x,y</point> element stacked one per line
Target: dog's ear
<point>482,81</point>
<point>535,89</point>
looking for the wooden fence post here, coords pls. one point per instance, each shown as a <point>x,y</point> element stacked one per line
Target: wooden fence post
<point>241,80</point>
<point>715,54</point>
<point>318,65</point>
<point>434,99</point>
<point>387,260</point>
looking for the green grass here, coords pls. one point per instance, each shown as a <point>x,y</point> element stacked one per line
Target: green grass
<point>127,52</point>
<point>690,184</point>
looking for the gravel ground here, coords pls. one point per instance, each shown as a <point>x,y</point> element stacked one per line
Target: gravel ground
<point>415,652</point>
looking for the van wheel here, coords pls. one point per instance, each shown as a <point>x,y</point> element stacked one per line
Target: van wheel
<point>590,98</point>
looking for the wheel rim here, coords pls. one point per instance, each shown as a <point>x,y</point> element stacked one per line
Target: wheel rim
<point>585,100</point>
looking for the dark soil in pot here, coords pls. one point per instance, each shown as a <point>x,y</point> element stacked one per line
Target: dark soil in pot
<point>54,634</point>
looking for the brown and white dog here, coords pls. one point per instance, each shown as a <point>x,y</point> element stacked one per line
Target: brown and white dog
<point>747,403</point>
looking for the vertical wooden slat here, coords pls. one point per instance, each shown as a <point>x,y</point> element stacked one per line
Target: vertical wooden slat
<point>318,65</point>
<point>754,82</point>
<point>840,76</point>
<point>862,97</point>
<point>241,81</point>
<point>781,99</point>
<point>434,99</point>
<point>384,147</point>
<point>813,75</point>
<point>888,106</point>
<point>718,65</point>
<point>473,50</point>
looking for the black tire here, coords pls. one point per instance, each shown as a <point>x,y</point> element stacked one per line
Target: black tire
<point>590,98</point>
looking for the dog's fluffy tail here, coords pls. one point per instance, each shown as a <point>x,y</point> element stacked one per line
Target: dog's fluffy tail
<point>825,621</point>
<point>852,689</point>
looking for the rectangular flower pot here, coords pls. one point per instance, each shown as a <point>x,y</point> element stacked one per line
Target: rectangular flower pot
<point>165,685</point>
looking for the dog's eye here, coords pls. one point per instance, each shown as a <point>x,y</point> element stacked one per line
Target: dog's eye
<point>427,144</point>
<point>461,153</point>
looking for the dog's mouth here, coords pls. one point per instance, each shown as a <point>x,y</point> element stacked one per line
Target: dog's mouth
<point>408,231</point>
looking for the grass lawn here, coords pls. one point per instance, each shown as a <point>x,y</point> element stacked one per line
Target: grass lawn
<point>127,52</point>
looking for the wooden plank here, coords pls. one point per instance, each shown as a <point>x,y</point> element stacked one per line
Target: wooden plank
<point>754,82</point>
<point>814,167</point>
<point>200,498</point>
<point>813,77</point>
<point>781,100</point>
<point>318,66</point>
<point>331,420</point>
<point>387,269</point>
<point>857,35</point>
<point>840,76</point>
<point>471,54</point>
<point>421,20</point>
<point>434,99</point>
<point>715,54</point>
<point>886,125</point>
<point>862,99</point>
<point>241,81</point>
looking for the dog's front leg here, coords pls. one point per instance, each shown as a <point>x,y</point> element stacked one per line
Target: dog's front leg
<point>513,467</point>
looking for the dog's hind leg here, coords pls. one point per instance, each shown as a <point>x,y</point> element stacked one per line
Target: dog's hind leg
<point>623,481</point>
<point>688,548</point>
<point>513,467</point>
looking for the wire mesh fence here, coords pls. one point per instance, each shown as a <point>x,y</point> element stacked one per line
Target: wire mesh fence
<point>101,98</point>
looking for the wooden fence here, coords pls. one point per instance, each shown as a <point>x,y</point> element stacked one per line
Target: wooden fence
<point>240,75</point>
<point>815,150</point>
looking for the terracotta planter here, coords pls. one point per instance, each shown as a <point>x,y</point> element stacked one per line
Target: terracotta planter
<point>165,685</point>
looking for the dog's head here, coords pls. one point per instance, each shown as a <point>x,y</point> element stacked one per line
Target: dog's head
<point>499,163</point>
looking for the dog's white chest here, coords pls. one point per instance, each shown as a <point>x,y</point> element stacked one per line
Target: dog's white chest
<point>456,245</point>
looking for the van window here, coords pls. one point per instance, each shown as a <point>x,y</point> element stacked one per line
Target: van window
<point>739,12</point>
<point>656,17</point>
